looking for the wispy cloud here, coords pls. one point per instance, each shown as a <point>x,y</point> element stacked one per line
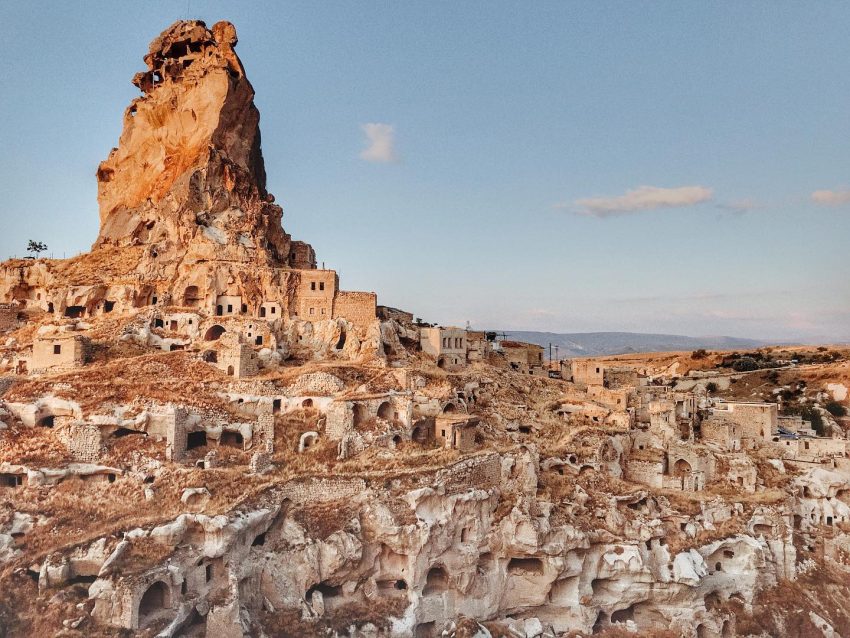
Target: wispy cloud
<point>831,197</point>
<point>740,206</point>
<point>642,198</point>
<point>380,140</point>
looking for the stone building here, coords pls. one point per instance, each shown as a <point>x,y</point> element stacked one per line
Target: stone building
<point>57,352</point>
<point>237,359</point>
<point>758,421</point>
<point>456,431</point>
<point>526,358</point>
<point>446,345</point>
<point>722,432</point>
<point>587,372</point>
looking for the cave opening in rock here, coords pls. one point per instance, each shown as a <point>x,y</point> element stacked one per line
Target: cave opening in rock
<point>231,439</point>
<point>436,582</point>
<point>155,599</point>
<point>196,440</point>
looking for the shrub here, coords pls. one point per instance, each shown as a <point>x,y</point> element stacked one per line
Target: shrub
<point>836,409</point>
<point>699,354</point>
<point>745,364</point>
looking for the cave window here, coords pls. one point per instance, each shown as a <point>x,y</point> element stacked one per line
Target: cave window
<point>74,311</point>
<point>50,307</point>
<point>244,308</point>
<point>262,311</point>
<point>158,323</point>
<point>230,371</point>
<point>259,340</point>
<point>219,310</point>
<point>274,310</point>
<point>229,309</point>
<point>231,439</point>
<point>57,349</point>
<point>259,539</point>
<point>47,421</point>
<point>153,300</point>
<point>307,403</point>
<point>196,439</point>
<point>208,571</point>
<point>276,406</point>
<point>173,324</point>
<point>312,285</point>
<point>321,285</point>
<point>108,306</point>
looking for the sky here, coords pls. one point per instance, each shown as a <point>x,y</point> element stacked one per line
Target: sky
<point>674,167</point>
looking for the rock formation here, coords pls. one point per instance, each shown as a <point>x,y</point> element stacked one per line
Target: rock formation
<point>201,435</point>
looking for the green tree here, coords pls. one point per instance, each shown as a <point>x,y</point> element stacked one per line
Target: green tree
<point>35,248</point>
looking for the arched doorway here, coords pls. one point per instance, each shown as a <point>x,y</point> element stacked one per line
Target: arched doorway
<point>155,599</point>
<point>385,411</point>
<point>681,468</point>
<point>191,297</point>
<point>360,414</point>
<point>214,333</point>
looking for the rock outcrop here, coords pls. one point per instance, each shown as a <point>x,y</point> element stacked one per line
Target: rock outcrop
<point>188,169</point>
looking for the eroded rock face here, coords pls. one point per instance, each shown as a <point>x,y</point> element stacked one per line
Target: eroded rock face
<point>188,170</point>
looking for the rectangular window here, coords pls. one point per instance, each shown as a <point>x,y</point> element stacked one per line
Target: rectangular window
<point>321,285</point>
<point>312,285</point>
<point>312,311</point>
<point>229,308</point>
<point>57,349</point>
<point>274,310</point>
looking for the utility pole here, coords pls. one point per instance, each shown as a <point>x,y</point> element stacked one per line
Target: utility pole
<point>550,352</point>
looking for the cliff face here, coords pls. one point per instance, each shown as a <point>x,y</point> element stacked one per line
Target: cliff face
<point>188,173</point>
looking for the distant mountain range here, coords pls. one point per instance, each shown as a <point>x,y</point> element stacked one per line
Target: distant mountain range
<point>590,344</point>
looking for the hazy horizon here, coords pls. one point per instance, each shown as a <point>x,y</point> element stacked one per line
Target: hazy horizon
<point>585,167</point>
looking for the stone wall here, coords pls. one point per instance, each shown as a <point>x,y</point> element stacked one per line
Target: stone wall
<point>83,441</point>
<point>8,316</point>
<point>360,308</point>
<point>265,432</point>
<point>57,353</point>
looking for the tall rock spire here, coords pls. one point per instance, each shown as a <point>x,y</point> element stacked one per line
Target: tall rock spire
<point>188,173</point>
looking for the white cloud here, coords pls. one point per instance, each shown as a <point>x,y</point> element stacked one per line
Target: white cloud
<point>640,199</point>
<point>831,198</point>
<point>381,143</point>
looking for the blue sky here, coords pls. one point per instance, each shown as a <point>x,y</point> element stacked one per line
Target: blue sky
<point>560,166</point>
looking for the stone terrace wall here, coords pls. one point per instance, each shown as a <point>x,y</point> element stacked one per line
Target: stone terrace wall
<point>8,316</point>
<point>360,308</point>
